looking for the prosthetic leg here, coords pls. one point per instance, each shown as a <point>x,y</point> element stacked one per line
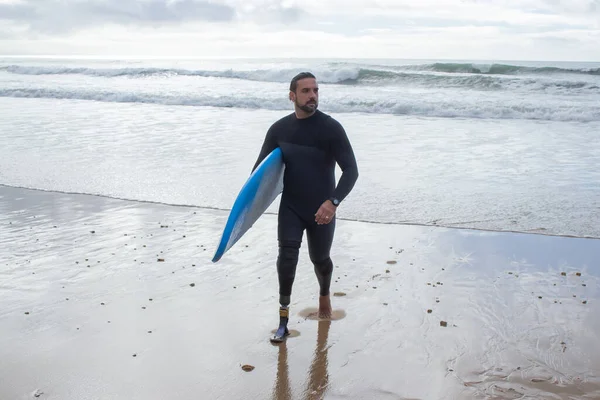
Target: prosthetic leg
<point>282,331</point>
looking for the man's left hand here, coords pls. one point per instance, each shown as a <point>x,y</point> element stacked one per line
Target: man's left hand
<point>325,213</point>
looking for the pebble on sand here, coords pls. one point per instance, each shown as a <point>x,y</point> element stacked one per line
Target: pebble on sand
<point>391,262</point>
<point>161,260</point>
<point>247,367</point>
<point>339,294</point>
<point>443,323</point>
<point>429,311</point>
<point>192,284</point>
<point>578,273</point>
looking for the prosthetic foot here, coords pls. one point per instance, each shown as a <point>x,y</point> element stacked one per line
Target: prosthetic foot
<point>282,331</point>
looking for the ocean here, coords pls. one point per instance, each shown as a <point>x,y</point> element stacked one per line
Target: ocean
<point>503,145</point>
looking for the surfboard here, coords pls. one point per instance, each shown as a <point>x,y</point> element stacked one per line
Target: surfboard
<point>256,195</point>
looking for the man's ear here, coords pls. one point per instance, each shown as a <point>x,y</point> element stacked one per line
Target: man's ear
<point>291,96</point>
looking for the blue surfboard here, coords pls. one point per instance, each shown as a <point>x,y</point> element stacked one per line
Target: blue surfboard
<point>257,194</point>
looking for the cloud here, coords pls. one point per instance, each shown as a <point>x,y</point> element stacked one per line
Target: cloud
<point>59,16</point>
<point>299,28</point>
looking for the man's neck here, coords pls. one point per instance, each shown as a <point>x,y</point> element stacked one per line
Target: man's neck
<point>300,114</point>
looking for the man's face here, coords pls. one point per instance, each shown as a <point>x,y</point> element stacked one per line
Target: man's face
<point>306,97</point>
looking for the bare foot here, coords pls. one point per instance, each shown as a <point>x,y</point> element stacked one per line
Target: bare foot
<point>324,307</point>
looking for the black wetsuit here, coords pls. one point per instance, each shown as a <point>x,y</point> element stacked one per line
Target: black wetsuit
<point>310,147</point>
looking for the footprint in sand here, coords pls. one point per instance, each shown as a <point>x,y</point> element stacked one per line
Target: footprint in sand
<point>312,313</point>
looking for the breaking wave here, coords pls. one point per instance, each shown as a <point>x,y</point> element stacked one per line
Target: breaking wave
<point>491,77</point>
<point>400,106</point>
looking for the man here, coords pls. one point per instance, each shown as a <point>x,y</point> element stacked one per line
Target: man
<point>311,143</point>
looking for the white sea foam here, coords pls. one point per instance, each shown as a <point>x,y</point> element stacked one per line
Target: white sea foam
<point>519,156</point>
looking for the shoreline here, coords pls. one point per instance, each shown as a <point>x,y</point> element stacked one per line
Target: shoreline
<point>365,221</point>
<point>123,302</point>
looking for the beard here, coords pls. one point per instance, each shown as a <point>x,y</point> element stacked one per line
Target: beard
<point>308,107</point>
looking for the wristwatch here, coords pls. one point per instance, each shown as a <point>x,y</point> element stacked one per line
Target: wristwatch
<point>335,201</point>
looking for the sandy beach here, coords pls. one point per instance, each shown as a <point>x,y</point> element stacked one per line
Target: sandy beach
<point>112,299</point>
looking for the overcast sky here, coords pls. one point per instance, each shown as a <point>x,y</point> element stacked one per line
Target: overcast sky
<point>442,29</point>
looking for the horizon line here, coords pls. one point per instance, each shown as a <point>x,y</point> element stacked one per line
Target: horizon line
<point>181,57</point>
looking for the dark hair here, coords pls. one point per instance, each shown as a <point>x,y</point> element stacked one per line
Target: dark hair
<point>301,75</point>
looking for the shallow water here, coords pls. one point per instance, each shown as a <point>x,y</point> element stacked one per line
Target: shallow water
<point>501,148</point>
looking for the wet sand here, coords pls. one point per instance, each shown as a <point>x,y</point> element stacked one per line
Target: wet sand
<point>110,299</point>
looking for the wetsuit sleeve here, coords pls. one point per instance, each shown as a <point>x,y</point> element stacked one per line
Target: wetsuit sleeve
<point>269,144</point>
<point>344,156</point>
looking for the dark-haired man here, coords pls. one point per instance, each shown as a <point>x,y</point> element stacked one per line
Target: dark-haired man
<point>312,143</point>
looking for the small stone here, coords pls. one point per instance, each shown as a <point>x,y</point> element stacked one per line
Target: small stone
<point>443,323</point>
<point>578,273</point>
<point>92,231</point>
<point>387,271</point>
<point>584,302</point>
<point>102,304</point>
<point>385,304</point>
<point>135,355</point>
<point>26,312</point>
<point>161,260</point>
<point>339,294</point>
<point>192,284</point>
<point>391,262</point>
<point>429,311</point>
<point>247,367</point>
<point>563,273</point>
<point>539,297</point>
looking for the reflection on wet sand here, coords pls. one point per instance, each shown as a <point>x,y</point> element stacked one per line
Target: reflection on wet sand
<point>475,315</point>
<point>318,375</point>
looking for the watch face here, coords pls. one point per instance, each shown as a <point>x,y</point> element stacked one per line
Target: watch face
<point>336,202</point>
